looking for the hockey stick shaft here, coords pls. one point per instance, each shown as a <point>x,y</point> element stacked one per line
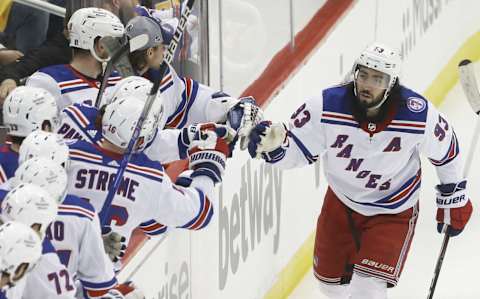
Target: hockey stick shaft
<point>470,88</point>
<point>108,71</point>
<point>168,57</point>
<point>103,84</point>
<point>438,266</point>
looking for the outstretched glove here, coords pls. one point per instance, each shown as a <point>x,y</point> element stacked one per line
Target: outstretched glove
<point>114,244</point>
<point>266,141</point>
<point>189,136</point>
<point>454,208</point>
<point>242,117</point>
<point>209,150</point>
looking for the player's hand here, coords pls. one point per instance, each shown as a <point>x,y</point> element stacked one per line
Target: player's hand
<point>243,117</point>
<point>454,208</point>
<point>5,88</point>
<point>114,244</point>
<point>209,150</point>
<point>266,140</point>
<point>203,136</point>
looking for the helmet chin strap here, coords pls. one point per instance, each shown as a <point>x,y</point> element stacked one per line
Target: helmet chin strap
<point>101,60</point>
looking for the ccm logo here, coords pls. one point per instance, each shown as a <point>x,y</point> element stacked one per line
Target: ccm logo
<point>378,265</point>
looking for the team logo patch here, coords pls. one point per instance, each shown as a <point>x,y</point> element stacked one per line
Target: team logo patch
<point>416,104</point>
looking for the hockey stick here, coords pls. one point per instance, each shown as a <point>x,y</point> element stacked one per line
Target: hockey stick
<point>470,88</point>
<point>168,58</point>
<point>118,49</point>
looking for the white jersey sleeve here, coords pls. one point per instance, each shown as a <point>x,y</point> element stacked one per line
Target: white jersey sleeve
<point>49,279</point>
<point>442,148</point>
<point>45,81</point>
<point>165,147</point>
<point>188,102</point>
<point>188,208</point>
<point>305,137</point>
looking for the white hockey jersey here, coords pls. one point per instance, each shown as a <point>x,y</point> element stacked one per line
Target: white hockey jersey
<point>146,192</point>
<point>48,279</point>
<point>185,102</point>
<point>67,85</point>
<point>373,168</point>
<point>76,236</point>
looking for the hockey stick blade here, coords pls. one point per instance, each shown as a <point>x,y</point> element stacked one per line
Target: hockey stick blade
<point>469,84</point>
<point>470,88</point>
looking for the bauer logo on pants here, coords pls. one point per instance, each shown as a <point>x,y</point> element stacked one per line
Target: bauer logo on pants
<point>377,265</point>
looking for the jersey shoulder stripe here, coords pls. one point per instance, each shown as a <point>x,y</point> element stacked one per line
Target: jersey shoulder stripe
<point>79,114</point>
<point>140,164</point>
<point>180,116</point>
<point>337,118</point>
<point>75,206</point>
<point>167,81</point>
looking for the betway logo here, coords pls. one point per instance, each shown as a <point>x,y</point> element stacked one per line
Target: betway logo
<point>253,213</point>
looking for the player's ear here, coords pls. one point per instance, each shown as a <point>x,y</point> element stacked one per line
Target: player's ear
<point>150,52</point>
<point>47,126</point>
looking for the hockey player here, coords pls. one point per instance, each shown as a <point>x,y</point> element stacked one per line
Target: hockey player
<point>370,133</point>
<point>82,121</point>
<point>79,81</point>
<point>20,250</point>
<point>145,192</point>
<point>25,110</point>
<point>75,233</point>
<point>34,207</point>
<point>41,144</point>
<point>186,101</point>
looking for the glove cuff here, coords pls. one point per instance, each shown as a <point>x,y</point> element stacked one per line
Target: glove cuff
<point>452,195</point>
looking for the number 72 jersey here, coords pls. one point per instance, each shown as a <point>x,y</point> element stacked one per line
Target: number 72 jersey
<point>374,168</point>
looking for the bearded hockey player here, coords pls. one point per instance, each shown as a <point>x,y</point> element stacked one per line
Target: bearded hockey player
<point>370,133</point>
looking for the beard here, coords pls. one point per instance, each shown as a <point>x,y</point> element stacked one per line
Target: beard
<point>368,103</point>
<point>360,107</point>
